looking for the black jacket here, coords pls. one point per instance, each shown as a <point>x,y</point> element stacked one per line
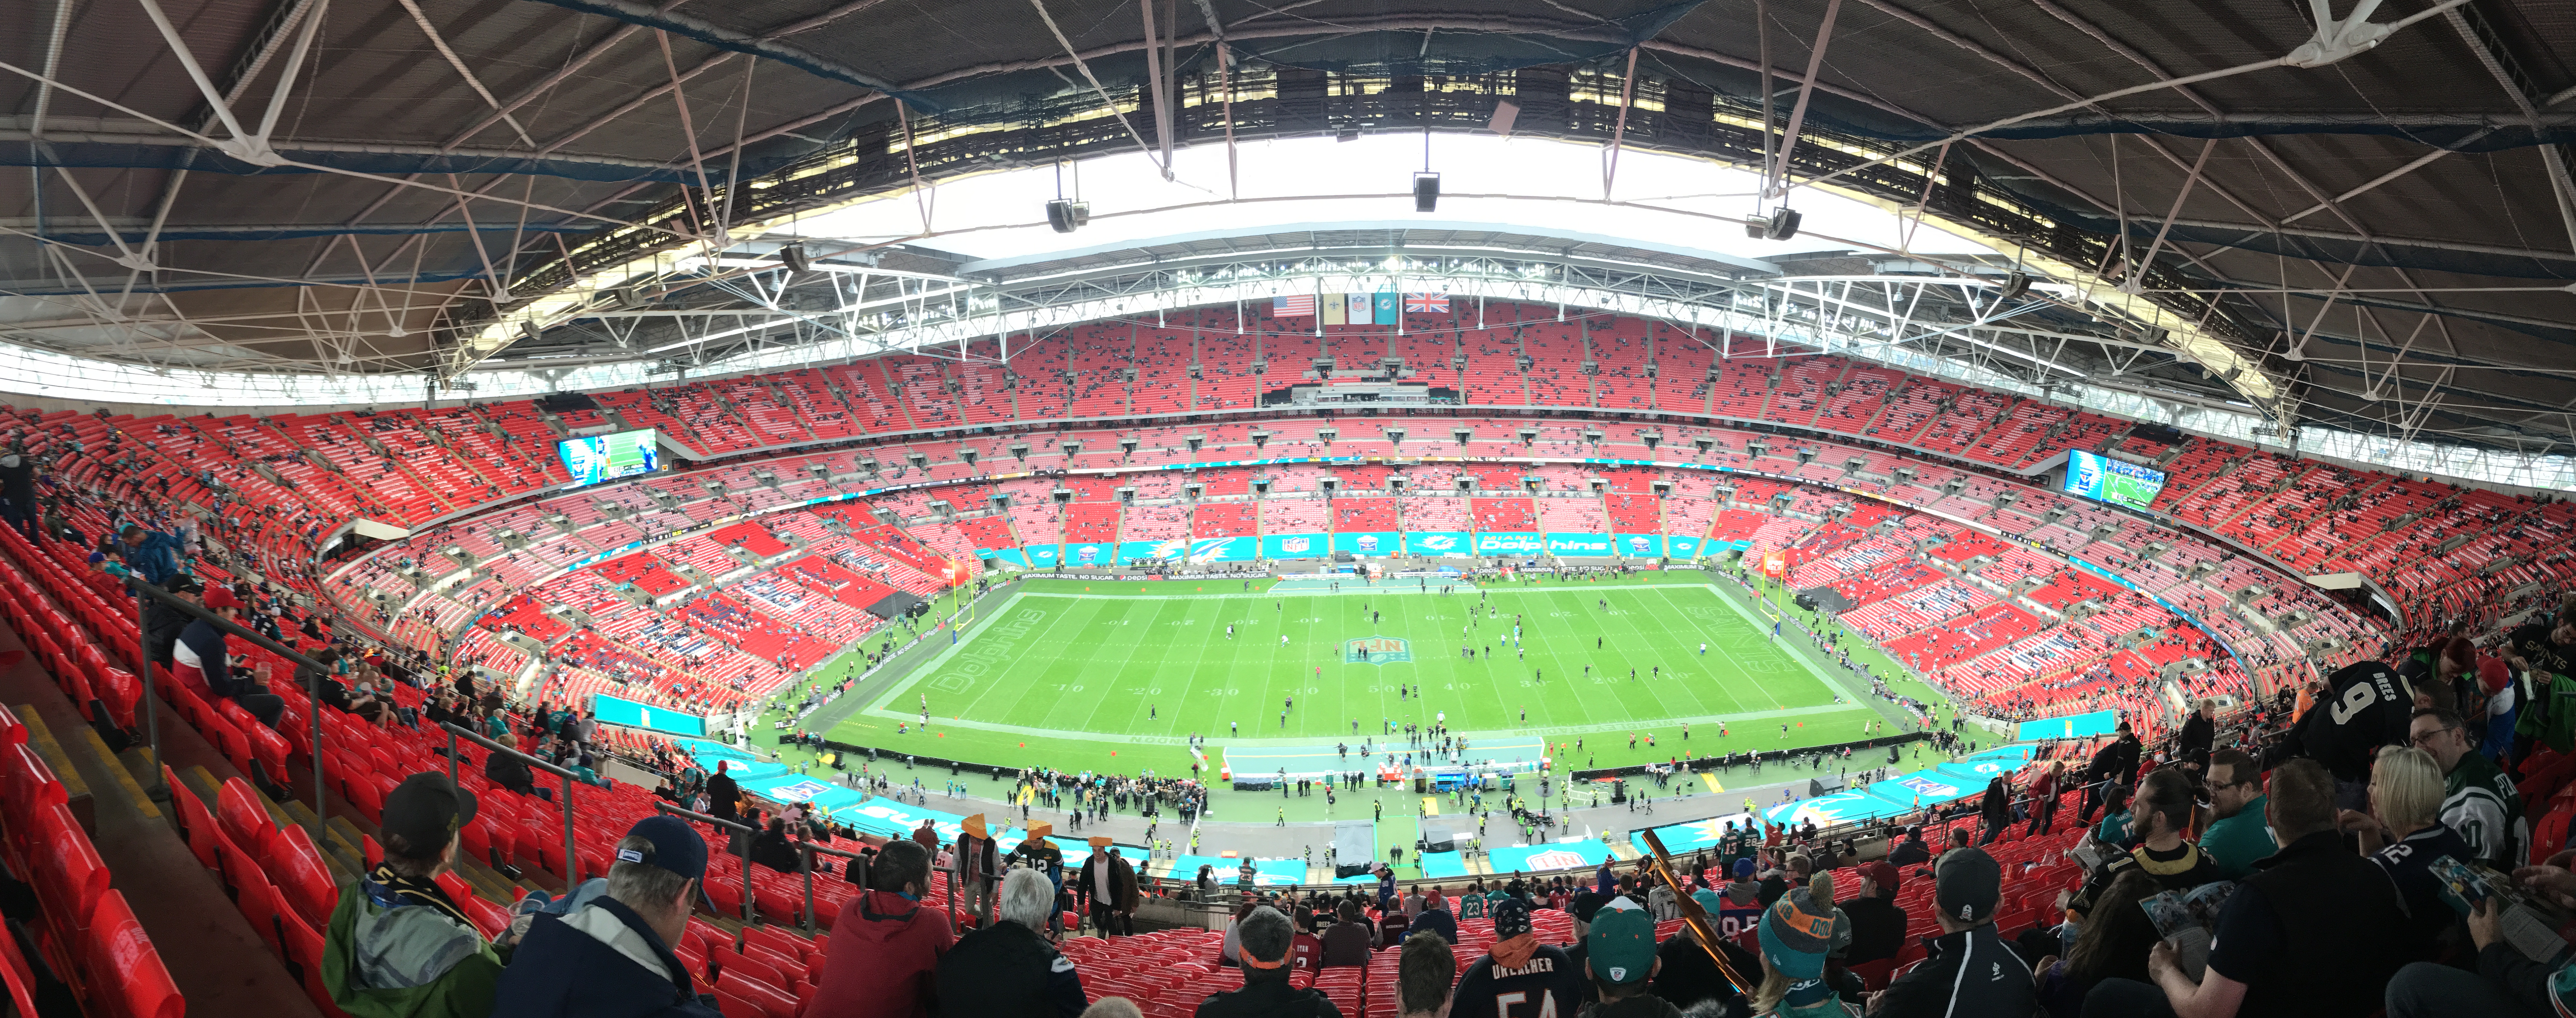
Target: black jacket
<point>207,641</point>
<point>723,796</point>
<point>1008,969</point>
<point>1878,929</point>
<point>1268,998</point>
<point>2117,761</point>
<point>162,625</point>
<point>1908,853</point>
<point>1971,972</point>
<point>773,851</point>
<point>2341,932</point>
<point>570,974</point>
<point>511,773</point>
<point>2198,733</point>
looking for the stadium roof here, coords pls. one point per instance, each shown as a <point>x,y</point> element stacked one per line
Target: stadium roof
<point>2368,227</point>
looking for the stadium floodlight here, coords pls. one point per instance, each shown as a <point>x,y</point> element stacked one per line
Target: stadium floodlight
<point>794,257</point>
<point>2015,285</point>
<point>1067,216</point>
<point>1781,224</point>
<point>1426,192</point>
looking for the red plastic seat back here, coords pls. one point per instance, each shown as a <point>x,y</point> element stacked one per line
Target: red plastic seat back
<point>198,821</point>
<point>120,960</point>
<point>304,882</point>
<point>244,819</point>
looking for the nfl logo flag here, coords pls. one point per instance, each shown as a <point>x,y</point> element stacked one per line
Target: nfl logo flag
<point>1286,307</point>
<point>1426,303</point>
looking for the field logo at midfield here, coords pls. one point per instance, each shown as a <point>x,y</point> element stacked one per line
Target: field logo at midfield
<point>1376,650</point>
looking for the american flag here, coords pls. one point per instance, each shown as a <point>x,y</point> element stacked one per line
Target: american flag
<point>1288,306</point>
<point>1426,303</point>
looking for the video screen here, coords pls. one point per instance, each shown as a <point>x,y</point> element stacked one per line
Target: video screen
<point>596,458</point>
<point>2118,482</point>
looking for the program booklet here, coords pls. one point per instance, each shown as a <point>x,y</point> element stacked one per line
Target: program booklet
<point>2189,921</point>
<point>2525,922</point>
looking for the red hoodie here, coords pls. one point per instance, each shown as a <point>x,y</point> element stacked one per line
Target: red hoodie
<point>881,959</point>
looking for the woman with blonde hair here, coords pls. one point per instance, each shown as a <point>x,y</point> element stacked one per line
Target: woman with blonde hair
<point>2404,833</point>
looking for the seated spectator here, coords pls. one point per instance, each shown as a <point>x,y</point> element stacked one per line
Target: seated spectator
<point>2479,803</point>
<point>1878,925</point>
<point>1796,934</point>
<point>1435,919</point>
<point>2507,983</point>
<point>2403,835</point>
<point>1685,975</point>
<point>885,948</point>
<point>1967,885</point>
<point>2115,830</point>
<point>1113,1007</point>
<point>2113,948</point>
<point>772,849</point>
<point>1619,958</point>
<point>1007,967</point>
<point>1348,941</point>
<point>1911,851</point>
<point>509,771</point>
<point>397,945</point>
<point>2317,932</point>
<point>1424,972</point>
<point>2164,806</point>
<point>1266,991</point>
<point>613,955</point>
<point>1519,975</point>
<point>2236,839</point>
<point>201,660</point>
<point>1391,926</point>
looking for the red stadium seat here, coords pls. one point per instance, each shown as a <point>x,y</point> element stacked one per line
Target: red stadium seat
<point>122,967</point>
<point>303,881</point>
<point>244,819</point>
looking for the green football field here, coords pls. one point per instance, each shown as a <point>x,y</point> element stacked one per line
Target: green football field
<point>1115,677</point>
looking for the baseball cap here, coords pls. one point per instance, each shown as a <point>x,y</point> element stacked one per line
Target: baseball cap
<point>1621,944</point>
<point>1511,918</point>
<point>221,597</point>
<point>1966,884</point>
<point>1743,868</point>
<point>1795,935</point>
<point>426,810</point>
<point>1884,875</point>
<point>676,846</point>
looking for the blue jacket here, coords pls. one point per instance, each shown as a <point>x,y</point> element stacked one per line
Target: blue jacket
<point>571,974</point>
<point>157,558</point>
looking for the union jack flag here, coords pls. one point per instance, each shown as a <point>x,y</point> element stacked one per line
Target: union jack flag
<point>1426,303</point>
<point>1288,306</point>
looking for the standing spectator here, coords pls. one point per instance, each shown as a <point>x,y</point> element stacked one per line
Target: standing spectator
<point>2237,838</point>
<point>1519,977</point>
<point>1878,925</point>
<point>978,862</point>
<point>1436,920</point>
<point>1007,967</point>
<point>1267,937</point>
<point>18,492</point>
<point>397,945</point>
<point>2043,798</point>
<point>724,797</point>
<point>2479,803</point>
<point>1424,973</point>
<point>1619,958</point>
<point>2199,731</point>
<point>884,950</point>
<point>2318,931</point>
<point>2363,708</point>
<point>612,957</point>
<point>201,656</point>
<point>1996,809</point>
<point>1107,886</point>
<point>1967,885</point>
<point>151,554</point>
<point>2116,763</point>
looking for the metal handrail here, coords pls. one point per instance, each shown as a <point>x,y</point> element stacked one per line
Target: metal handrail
<point>805,852</point>
<point>145,593</point>
<point>736,826</point>
<point>572,862</point>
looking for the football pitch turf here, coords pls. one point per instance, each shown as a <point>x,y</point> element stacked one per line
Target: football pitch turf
<point>1115,677</point>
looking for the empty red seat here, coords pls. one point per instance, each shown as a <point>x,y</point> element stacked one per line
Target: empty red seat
<point>195,820</point>
<point>304,955</point>
<point>122,967</point>
<point>770,1001</point>
<point>243,818</point>
<point>303,881</point>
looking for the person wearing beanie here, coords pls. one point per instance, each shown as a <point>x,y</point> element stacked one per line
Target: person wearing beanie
<point>397,946</point>
<point>1520,976</point>
<point>1267,938</point>
<point>1796,934</point>
<point>612,957</point>
<point>1971,970</point>
<point>1619,958</point>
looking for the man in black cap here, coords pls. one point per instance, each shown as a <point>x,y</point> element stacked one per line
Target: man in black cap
<point>1267,937</point>
<point>397,945</point>
<point>1971,969</point>
<point>612,958</point>
<point>162,623</point>
<point>1520,977</point>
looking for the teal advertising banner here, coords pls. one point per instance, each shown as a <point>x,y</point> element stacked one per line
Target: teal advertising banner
<point>1225,549</point>
<point>1368,542</point>
<point>1510,544</point>
<point>1579,545</point>
<point>1281,546</point>
<point>1641,545</point>
<point>1099,554</point>
<point>1439,542</point>
<point>619,711</point>
<point>1153,551</point>
<point>1040,556</point>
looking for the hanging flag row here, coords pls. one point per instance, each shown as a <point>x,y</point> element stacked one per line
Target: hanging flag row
<point>1361,308</point>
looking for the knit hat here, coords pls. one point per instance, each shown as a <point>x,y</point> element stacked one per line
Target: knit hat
<point>1709,900</point>
<point>1511,918</point>
<point>1967,885</point>
<point>426,810</point>
<point>1621,945</point>
<point>2493,676</point>
<point>1796,933</point>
